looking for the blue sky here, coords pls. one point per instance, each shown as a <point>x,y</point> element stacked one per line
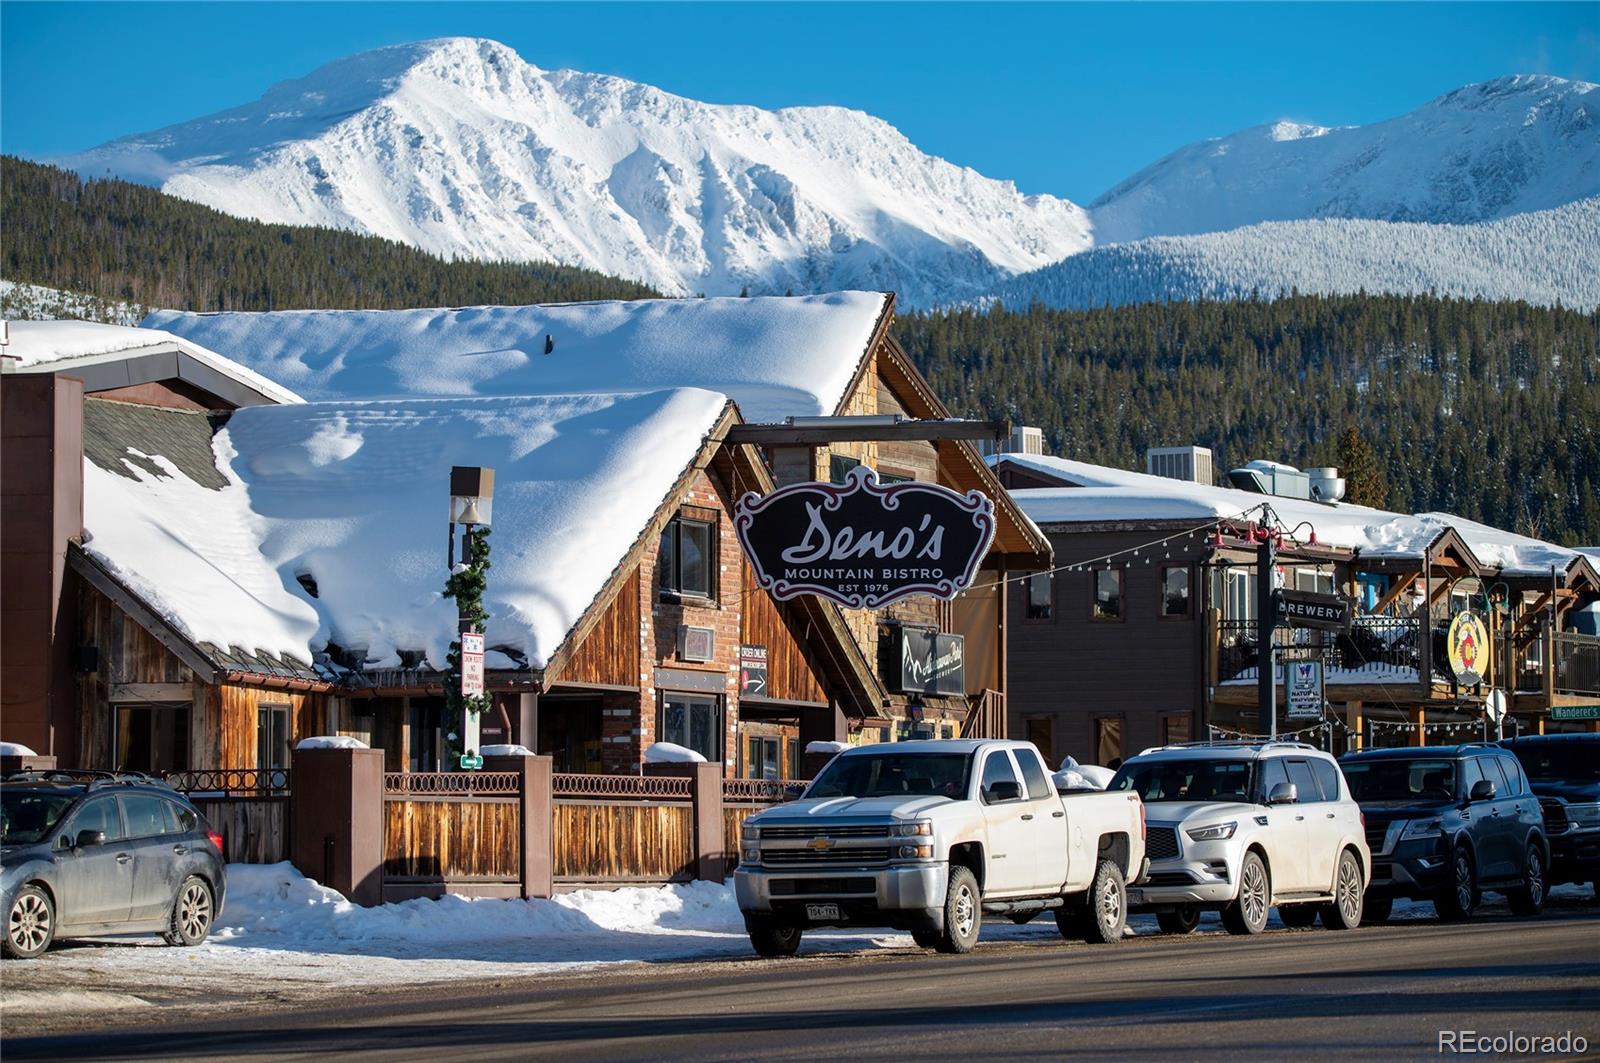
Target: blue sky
<point>1063,99</point>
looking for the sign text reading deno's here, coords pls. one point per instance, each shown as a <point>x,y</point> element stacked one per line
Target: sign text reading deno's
<point>863,544</point>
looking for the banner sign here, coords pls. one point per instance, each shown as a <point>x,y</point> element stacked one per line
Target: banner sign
<point>471,663</point>
<point>1307,609</point>
<point>1302,686</point>
<point>1467,647</point>
<point>862,544</point>
<point>752,671</point>
<point>920,660</point>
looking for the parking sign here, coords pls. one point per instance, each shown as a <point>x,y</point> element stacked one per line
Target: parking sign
<point>471,664</point>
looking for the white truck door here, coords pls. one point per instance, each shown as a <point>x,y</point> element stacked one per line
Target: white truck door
<point>1009,854</point>
<point>1051,856</point>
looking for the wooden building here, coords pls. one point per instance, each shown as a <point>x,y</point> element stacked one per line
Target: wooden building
<point>1147,631</point>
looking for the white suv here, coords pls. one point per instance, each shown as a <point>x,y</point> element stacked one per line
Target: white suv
<point>1241,828</point>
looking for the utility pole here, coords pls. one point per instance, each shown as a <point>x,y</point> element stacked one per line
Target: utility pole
<point>1266,626</point>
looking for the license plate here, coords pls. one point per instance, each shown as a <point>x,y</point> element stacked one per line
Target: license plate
<point>820,912</point>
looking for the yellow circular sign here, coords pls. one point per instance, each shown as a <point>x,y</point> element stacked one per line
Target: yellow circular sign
<point>1468,646</point>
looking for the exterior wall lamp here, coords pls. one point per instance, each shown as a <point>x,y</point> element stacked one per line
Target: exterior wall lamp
<point>471,501</point>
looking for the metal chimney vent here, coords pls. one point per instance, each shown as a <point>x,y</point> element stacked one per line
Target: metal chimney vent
<point>1326,485</point>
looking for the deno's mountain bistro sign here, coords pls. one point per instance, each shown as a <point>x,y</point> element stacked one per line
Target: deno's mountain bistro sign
<point>863,544</point>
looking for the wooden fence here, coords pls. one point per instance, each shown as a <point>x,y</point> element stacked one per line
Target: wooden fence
<point>622,828</point>
<point>455,832</point>
<point>249,807</point>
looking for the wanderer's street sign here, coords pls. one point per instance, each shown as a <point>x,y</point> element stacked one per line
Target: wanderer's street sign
<point>864,544</point>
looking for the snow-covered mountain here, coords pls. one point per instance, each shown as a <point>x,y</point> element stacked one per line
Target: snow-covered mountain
<point>1544,257</point>
<point>1481,152</point>
<point>460,147</point>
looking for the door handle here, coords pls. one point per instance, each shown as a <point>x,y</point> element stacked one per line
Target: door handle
<point>1330,815</point>
<point>1027,815</point>
<point>1299,819</point>
<point>181,850</point>
<point>123,858</point>
<point>1058,815</point>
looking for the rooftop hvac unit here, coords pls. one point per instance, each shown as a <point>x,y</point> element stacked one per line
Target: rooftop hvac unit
<point>1271,478</point>
<point>1326,485</point>
<point>1027,440</point>
<point>1190,464</point>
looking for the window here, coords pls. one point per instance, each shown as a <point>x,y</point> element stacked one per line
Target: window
<point>1470,774</point>
<point>1107,740</point>
<point>762,757</point>
<point>1272,774</point>
<point>1039,787</point>
<point>272,736</point>
<point>1175,590</point>
<point>693,721</point>
<point>1107,594</point>
<point>685,561</point>
<point>1176,728</point>
<point>1327,779</point>
<point>100,814</point>
<point>188,818</point>
<point>147,816</point>
<point>152,738</point>
<point>1313,580</point>
<point>1305,784</point>
<point>839,466</point>
<point>1239,592</point>
<point>1041,596</point>
<point>997,769</point>
<point>1042,733</point>
<point>1186,780</point>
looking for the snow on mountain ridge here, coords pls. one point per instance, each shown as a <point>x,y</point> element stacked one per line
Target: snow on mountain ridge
<point>460,147</point>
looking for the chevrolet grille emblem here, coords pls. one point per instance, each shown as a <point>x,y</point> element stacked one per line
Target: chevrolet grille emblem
<point>820,843</point>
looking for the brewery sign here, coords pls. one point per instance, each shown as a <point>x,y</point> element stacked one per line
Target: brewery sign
<point>1302,685</point>
<point>864,544</point>
<point>1467,646</point>
<point>918,660</point>
<point>1328,612</point>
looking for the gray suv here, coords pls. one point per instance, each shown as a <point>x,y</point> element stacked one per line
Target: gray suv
<point>100,853</point>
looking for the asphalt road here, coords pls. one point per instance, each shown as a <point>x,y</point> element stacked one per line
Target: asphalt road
<point>1375,993</point>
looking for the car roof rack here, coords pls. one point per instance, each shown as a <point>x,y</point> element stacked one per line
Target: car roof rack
<point>1234,743</point>
<point>84,776</point>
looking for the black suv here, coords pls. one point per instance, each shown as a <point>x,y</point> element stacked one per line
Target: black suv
<point>1565,773</point>
<point>1446,823</point>
<point>98,853</point>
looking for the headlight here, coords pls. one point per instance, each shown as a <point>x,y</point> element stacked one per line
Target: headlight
<point>916,852</point>
<point>1422,828</point>
<point>752,856</point>
<point>1215,833</point>
<point>1584,815</point>
<point>922,828</point>
<point>749,832</point>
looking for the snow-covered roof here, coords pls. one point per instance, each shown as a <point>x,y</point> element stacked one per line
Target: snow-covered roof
<point>775,356</point>
<point>1107,494</point>
<point>353,496</point>
<point>63,346</point>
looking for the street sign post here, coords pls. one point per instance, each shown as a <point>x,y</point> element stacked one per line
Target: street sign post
<point>1302,685</point>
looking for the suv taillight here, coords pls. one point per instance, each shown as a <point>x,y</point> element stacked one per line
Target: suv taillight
<point>216,839</point>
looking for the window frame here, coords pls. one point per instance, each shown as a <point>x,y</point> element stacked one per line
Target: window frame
<point>719,710</point>
<point>1005,758</point>
<point>673,530</point>
<point>1048,720</point>
<point>1122,737</point>
<point>1052,610</point>
<point>1188,588</point>
<point>274,710</point>
<point>1122,595</point>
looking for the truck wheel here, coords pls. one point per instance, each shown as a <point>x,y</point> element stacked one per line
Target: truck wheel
<point>1183,919</point>
<point>774,941</point>
<point>963,912</point>
<point>1348,893</point>
<point>1459,896</point>
<point>1247,914</point>
<point>1528,898</point>
<point>1107,913</point>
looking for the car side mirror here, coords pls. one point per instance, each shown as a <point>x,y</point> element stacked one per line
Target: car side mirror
<point>1283,793</point>
<point>87,838</point>
<point>1482,790</point>
<point>996,792</point>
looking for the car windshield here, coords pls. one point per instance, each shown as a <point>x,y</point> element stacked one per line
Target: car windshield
<point>26,816</point>
<point>1409,779</point>
<point>1549,762</point>
<point>894,774</point>
<point>1186,780</point>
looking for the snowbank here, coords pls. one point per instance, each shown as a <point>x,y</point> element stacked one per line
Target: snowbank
<point>331,742</point>
<point>776,357</point>
<point>15,749</point>
<point>668,753</point>
<point>827,747</point>
<point>506,751</point>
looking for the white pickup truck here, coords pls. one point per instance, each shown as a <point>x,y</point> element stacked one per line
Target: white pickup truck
<point>927,837</point>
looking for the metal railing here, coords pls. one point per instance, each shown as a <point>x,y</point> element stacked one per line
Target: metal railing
<point>232,782</point>
<point>452,783</point>
<point>1373,645</point>
<point>752,791</point>
<point>1577,659</point>
<point>623,786</point>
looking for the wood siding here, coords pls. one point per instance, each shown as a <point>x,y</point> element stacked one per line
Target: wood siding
<point>609,654</point>
<point>255,830</point>
<point>228,722</point>
<point>477,839</point>
<point>790,676</point>
<point>128,654</point>
<point>623,841</point>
